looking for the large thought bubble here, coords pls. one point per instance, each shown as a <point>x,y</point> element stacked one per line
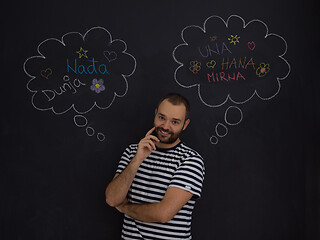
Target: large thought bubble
<point>231,60</point>
<point>79,72</point>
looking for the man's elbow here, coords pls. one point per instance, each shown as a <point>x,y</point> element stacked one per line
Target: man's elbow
<point>164,219</point>
<point>111,201</point>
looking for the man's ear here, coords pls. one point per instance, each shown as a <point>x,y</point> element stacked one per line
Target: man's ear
<point>186,123</point>
<point>155,111</point>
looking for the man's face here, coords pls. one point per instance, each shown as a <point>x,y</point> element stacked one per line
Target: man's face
<point>170,122</point>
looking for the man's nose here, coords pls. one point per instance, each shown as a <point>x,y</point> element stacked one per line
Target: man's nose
<point>166,125</point>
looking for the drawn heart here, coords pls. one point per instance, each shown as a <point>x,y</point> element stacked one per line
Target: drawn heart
<point>251,45</point>
<point>111,56</point>
<point>46,73</point>
<point>211,64</point>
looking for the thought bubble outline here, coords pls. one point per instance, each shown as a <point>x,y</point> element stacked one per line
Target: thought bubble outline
<point>198,85</point>
<point>73,105</point>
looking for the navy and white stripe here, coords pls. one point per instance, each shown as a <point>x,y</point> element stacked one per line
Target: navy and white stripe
<point>179,167</point>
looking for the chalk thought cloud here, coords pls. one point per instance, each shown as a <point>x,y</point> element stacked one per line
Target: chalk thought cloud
<point>231,60</point>
<point>79,72</point>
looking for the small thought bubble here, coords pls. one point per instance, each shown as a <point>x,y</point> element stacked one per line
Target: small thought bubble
<point>232,116</point>
<point>82,122</point>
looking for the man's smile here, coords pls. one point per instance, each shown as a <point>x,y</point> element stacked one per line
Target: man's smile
<point>163,132</point>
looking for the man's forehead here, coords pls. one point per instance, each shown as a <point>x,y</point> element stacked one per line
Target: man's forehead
<point>171,110</point>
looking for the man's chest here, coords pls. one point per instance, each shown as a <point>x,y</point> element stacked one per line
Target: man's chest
<point>153,178</point>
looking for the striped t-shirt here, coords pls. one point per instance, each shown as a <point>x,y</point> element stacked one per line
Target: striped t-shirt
<point>179,167</point>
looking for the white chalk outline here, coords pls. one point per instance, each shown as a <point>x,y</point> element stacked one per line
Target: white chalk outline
<point>216,129</point>
<point>62,42</point>
<point>103,137</point>
<point>80,116</point>
<point>225,116</point>
<point>230,124</point>
<point>216,142</point>
<point>228,96</point>
<point>92,129</point>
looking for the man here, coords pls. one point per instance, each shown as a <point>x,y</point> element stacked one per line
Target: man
<point>159,179</point>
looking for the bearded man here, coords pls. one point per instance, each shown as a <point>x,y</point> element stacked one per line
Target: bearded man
<point>159,179</point>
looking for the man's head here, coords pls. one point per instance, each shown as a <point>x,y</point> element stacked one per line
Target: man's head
<point>171,118</point>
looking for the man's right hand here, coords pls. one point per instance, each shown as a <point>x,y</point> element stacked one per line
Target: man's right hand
<point>117,190</point>
<point>146,145</point>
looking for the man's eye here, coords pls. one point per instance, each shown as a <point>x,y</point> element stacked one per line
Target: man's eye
<point>175,122</point>
<point>161,118</point>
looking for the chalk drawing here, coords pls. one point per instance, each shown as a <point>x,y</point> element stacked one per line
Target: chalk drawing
<point>243,60</point>
<point>186,51</point>
<point>82,122</point>
<point>77,73</point>
<point>221,130</point>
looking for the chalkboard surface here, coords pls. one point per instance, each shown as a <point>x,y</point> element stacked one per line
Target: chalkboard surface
<point>81,79</point>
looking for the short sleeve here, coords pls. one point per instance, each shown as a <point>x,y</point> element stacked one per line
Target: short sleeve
<point>125,159</point>
<point>190,175</point>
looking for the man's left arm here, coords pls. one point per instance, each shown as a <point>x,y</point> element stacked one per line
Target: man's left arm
<point>163,211</point>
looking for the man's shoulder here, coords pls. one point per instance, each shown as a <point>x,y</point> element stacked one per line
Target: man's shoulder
<point>193,162</point>
<point>189,152</point>
<point>132,148</point>
<point>133,145</point>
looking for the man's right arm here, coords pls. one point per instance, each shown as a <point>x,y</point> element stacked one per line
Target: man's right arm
<point>118,188</point>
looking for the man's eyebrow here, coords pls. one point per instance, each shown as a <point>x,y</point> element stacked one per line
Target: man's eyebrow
<point>175,119</point>
<point>161,114</point>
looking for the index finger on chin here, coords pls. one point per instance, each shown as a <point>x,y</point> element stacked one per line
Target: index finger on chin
<point>150,131</point>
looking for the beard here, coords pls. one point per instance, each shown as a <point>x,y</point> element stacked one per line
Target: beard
<point>172,136</point>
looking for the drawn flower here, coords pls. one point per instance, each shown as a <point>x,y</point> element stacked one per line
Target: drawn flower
<point>97,85</point>
<point>262,70</point>
<point>195,66</point>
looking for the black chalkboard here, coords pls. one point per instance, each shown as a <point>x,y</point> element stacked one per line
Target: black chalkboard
<point>81,79</point>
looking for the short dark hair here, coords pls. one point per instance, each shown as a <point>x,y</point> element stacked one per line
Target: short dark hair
<point>177,99</point>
